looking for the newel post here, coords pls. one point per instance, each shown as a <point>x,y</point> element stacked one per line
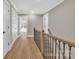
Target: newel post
<point>34,33</point>
<point>42,38</point>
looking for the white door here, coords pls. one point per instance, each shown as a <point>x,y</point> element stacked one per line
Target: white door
<point>6,26</point>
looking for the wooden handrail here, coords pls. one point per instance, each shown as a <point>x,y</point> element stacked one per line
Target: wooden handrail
<point>37,30</point>
<point>66,41</point>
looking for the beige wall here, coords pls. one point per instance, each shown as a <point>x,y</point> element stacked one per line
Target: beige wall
<point>62,19</point>
<point>35,21</point>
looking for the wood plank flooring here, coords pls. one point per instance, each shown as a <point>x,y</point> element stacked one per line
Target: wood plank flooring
<point>24,48</point>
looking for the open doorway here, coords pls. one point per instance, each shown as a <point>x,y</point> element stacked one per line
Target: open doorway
<point>23,24</point>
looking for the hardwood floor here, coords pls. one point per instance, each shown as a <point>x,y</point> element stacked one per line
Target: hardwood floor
<point>24,48</point>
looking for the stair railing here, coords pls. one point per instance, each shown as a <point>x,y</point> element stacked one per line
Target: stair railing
<point>53,47</point>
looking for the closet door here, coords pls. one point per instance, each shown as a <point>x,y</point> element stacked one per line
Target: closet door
<point>6,26</point>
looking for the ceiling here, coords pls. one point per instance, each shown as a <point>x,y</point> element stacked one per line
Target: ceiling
<point>35,6</point>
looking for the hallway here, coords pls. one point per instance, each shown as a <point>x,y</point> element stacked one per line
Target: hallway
<point>38,29</point>
<point>22,49</point>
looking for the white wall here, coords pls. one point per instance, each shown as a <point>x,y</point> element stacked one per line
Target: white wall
<point>45,23</point>
<point>14,24</point>
<point>6,26</point>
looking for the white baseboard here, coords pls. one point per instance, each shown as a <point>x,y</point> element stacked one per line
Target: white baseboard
<point>30,35</point>
<point>11,45</point>
<point>4,54</point>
